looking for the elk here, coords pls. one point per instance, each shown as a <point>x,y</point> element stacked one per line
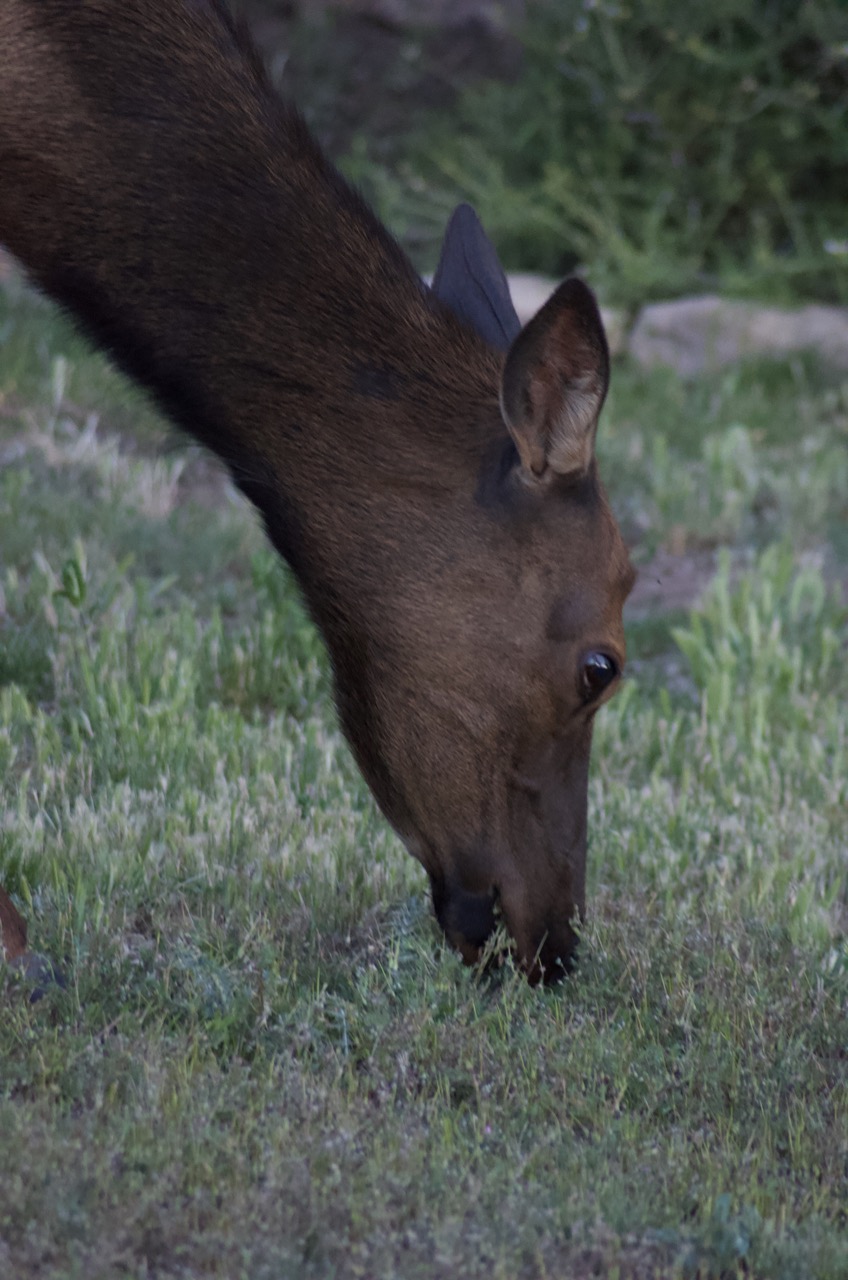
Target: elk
<point>424,465</point>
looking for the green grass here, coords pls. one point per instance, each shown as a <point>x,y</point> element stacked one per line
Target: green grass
<point>747,457</point>
<point>265,1063</point>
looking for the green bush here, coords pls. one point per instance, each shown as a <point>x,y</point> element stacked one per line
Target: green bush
<point>664,146</point>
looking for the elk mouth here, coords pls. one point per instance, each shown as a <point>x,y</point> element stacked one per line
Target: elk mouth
<point>552,962</point>
<point>469,919</point>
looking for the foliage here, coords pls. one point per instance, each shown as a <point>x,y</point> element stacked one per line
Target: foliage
<point>662,146</point>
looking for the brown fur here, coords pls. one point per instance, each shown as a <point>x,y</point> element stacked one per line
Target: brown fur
<point>153,184</point>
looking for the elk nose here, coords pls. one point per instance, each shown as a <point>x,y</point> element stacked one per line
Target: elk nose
<point>553,960</point>
<point>545,947</point>
<point>468,918</point>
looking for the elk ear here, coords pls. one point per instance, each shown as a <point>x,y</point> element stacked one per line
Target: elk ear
<point>470,280</point>
<point>554,383</point>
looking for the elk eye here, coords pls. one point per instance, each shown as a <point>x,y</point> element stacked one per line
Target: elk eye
<point>599,671</point>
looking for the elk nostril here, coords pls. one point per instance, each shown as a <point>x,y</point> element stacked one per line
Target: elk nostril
<point>468,918</point>
<point>473,916</point>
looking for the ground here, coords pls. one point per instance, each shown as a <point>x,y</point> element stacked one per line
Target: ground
<point>265,1061</point>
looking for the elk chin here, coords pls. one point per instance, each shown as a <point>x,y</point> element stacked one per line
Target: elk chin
<point>469,919</point>
<point>545,939</point>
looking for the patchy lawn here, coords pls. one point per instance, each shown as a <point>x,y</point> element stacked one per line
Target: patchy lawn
<point>265,1063</point>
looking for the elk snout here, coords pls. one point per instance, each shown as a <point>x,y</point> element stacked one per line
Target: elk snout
<point>468,918</point>
<point>552,957</point>
<point>546,953</point>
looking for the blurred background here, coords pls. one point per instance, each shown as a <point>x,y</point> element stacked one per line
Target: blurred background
<point>666,148</point>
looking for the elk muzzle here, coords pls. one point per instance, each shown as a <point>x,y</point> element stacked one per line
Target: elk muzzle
<point>544,944</point>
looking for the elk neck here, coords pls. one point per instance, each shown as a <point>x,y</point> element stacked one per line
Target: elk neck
<point>185,217</point>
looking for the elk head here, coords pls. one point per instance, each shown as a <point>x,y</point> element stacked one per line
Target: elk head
<point>499,630</point>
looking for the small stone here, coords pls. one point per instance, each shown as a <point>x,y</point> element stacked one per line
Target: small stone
<point>695,335</point>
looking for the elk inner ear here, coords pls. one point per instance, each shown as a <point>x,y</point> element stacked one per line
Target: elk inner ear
<point>470,280</point>
<point>554,383</point>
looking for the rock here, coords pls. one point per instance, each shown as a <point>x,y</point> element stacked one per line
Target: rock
<point>424,13</point>
<point>694,335</point>
<point>37,974</point>
<point>615,323</point>
<point>376,69</point>
<point>529,292</point>
<point>674,579</point>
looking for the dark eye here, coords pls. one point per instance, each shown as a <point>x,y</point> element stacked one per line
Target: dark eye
<point>599,671</point>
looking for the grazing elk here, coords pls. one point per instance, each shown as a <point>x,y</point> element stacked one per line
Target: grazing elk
<point>425,466</point>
